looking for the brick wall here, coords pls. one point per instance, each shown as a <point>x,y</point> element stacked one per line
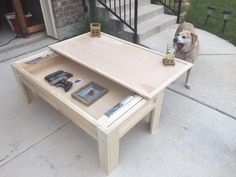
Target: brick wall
<point>67,12</point>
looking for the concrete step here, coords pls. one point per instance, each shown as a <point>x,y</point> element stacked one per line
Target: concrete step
<point>151,19</point>
<point>153,25</point>
<point>112,5</point>
<point>122,4</point>
<point>144,13</point>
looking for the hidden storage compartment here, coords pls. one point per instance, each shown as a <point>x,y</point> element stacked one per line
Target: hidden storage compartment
<point>115,93</point>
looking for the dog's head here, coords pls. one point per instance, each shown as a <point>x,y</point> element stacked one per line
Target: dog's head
<point>184,40</point>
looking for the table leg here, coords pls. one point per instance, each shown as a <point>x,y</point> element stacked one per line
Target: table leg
<point>155,114</point>
<point>108,146</point>
<point>26,91</point>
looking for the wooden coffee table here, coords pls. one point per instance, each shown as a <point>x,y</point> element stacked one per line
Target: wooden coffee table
<point>121,67</point>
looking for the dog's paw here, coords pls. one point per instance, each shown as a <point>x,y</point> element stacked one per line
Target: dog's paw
<point>188,86</point>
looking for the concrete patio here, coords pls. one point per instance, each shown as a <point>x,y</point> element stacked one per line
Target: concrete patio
<point>196,136</point>
<point>19,46</point>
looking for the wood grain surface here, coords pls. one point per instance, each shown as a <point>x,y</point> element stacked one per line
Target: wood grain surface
<point>132,66</point>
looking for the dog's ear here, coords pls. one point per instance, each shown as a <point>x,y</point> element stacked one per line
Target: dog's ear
<point>194,38</point>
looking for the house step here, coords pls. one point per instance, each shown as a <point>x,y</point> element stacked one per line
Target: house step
<point>144,13</point>
<point>112,5</point>
<point>153,25</point>
<point>151,19</point>
<point>123,3</point>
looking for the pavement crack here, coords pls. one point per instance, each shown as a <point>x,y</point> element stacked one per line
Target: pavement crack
<point>4,158</point>
<point>204,104</point>
<point>31,146</point>
<point>13,147</point>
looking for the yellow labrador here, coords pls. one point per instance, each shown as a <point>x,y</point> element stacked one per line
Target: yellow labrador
<point>187,45</point>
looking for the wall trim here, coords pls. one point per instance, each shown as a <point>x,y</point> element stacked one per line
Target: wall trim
<point>49,19</point>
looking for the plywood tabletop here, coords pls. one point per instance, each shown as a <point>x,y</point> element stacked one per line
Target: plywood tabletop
<point>130,65</point>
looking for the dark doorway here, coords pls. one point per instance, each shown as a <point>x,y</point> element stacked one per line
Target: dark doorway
<point>20,18</point>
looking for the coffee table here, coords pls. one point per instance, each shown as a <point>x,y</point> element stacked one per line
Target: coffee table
<point>124,68</point>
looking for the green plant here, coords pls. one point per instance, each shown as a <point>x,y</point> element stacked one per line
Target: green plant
<point>198,12</point>
<point>84,25</point>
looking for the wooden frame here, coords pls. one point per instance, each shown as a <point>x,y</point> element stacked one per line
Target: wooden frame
<point>49,19</point>
<point>137,62</point>
<point>35,28</point>
<point>20,16</point>
<point>21,19</point>
<point>106,130</point>
<point>77,94</point>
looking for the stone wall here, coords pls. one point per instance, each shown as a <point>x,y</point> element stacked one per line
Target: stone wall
<point>67,12</point>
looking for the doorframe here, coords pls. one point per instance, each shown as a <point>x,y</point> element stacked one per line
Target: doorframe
<point>20,17</point>
<point>49,19</point>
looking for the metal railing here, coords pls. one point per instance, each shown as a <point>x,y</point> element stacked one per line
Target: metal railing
<point>173,5</point>
<point>126,11</point>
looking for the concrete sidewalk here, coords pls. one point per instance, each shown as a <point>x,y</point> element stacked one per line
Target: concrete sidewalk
<point>196,136</point>
<point>20,46</point>
<point>213,76</point>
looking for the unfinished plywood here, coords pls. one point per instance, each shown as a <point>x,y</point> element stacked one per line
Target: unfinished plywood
<point>115,92</point>
<point>117,65</point>
<point>36,28</point>
<point>20,16</point>
<point>132,66</point>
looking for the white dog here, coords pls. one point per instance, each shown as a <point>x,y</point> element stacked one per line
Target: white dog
<point>187,46</point>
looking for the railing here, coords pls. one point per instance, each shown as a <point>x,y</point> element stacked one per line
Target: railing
<point>173,5</point>
<point>126,11</point>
